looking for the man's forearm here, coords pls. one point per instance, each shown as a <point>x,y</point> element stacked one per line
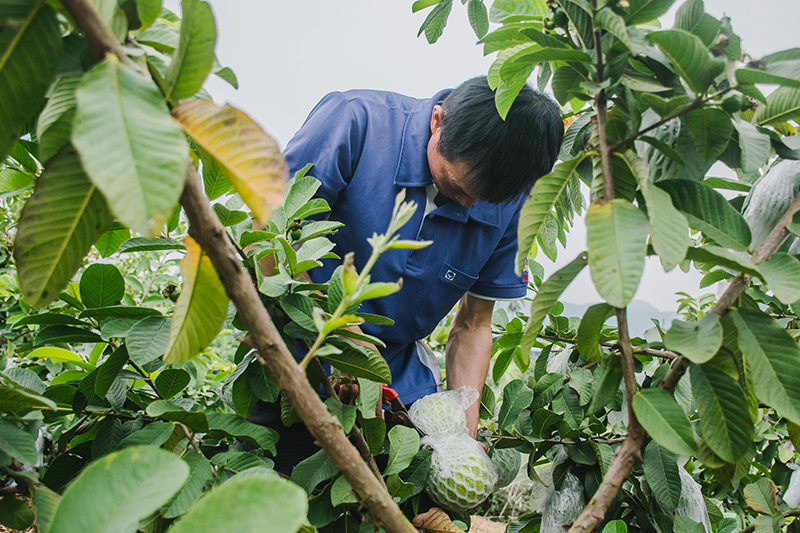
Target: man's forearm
<point>469,348</point>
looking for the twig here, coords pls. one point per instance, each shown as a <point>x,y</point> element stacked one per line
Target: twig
<point>664,354</point>
<point>356,437</point>
<point>696,104</point>
<point>196,447</point>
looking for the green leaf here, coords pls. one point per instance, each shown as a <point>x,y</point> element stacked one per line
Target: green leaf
<point>566,83</point>
<point>54,126</point>
<point>236,426</point>
<point>358,361</point>
<point>228,217</point>
<point>398,489</point>
<point>60,355</point>
<point>403,446</point>
<point>664,420</point>
<point>140,244</point>
<point>18,443</point>
<point>661,471</point>
<point>590,329</point>
<point>755,146</point>
<point>688,54</point>
<point>434,24</point>
<point>546,298</point>
<point>147,339</point>
<point>239,461</point>
<point>200,477</point>
<point>119,311</point>
<point>109,242</point>
<point>262,383</point>
<point>200,310</point>
<point>723,408</point>
<point>194,57</point>
<point>120,489</point>
<point>684,524</point>
<point>772,356</point>
<point>30,50</point>
<point>478,17</point>
<point>669,230</point>
<point>57,227</point>
<point>546,389</point>
<point>167,410</point>
<point>641,11</point>
<point>516,397</point>
<point>782,274</point>
<point>786,73</point>
<point>534,54</point>
<point>616,526</point>
<point>12,399</point>
<point>541,419</point>
<point>710,129</point>
<point>14,180</point>
<point>708,211</point>
<point>15,513</point>
<point>761,496</point>
<point>782,105</point>
<point>107,372</point>
<point>308,473</point>
<point>108,438</point>
<point>582,380</point>
<point>607,20</point>
<point>342,492</point>
<point>101,285</point>
<point>714,255</point>
<point>346,414</point>
<point>153,434</point>
<point>617,239</point>
<point>171,381</point>
<point>130,147</point>
<point>246,503</point>
<point>698,341</point>
<point>45,502</point>
<point>544,196</point>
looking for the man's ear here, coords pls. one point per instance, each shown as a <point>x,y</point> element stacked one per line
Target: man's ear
<point>436,118</point>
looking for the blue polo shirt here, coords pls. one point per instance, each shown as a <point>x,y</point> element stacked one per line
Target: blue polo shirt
<point>366,146</point>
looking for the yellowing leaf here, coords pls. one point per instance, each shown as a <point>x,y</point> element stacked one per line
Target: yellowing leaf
<point>200,310</point>
<point>247,156</point>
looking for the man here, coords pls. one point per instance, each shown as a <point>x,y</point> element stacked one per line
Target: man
<point>469,171</point>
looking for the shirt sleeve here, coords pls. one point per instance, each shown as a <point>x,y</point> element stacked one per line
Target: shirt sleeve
<point>331,140</point>
<point>497,279</point>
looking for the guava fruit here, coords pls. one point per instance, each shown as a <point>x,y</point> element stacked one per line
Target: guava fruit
<point>462,475</point>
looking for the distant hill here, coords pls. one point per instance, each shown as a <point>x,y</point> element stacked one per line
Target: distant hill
<point>639,315</point>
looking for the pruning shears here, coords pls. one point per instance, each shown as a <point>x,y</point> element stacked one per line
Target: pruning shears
<point>399,413</point>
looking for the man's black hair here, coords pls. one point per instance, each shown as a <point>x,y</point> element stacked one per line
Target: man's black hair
<point>506,156</point>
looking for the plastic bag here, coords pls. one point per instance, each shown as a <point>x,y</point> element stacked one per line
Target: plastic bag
<point>691,503</point>
<point>563,506</point>
<point>443,413</point>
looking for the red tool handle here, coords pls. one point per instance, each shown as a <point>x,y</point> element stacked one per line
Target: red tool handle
<point>388,394</point>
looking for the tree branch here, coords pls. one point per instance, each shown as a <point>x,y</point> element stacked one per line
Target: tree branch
<point>737,286</point>
<point>206,229</point>
<point>664,354</point>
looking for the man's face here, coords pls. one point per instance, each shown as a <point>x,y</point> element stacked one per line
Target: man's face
<point>450,178</point>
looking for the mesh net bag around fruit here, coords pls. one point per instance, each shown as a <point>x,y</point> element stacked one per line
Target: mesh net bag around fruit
<point>443,413</point>
<point>462,475</point>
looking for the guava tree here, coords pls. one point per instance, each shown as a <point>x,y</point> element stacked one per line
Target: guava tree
<point>651,110</point>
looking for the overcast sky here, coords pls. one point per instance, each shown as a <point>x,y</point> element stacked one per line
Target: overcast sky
<point>288,54</point>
